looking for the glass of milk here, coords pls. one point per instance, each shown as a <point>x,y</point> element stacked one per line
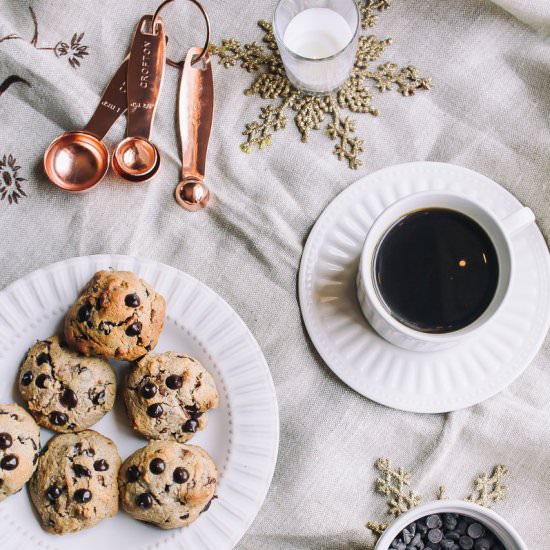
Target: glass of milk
<point>317,40</point>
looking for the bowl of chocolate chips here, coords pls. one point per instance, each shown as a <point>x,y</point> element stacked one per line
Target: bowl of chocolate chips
<point>450,525</point>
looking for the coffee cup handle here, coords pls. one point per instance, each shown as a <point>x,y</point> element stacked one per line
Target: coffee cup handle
<point>517,221</point>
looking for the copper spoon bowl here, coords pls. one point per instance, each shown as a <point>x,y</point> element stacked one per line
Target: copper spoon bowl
<point>192,194</point>
<point>77,161</point>
<point>136,159</point>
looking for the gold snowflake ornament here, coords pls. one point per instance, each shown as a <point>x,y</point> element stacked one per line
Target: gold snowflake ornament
<point>394,484</point>
<point>311,111</point>
<point>489,488</point>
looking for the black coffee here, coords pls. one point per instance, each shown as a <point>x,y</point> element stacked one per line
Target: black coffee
<point>436,270</point>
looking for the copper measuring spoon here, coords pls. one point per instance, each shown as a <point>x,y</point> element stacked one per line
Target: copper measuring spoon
<point>195,112</point>
<point>136,158</point>
<point>77,161</point>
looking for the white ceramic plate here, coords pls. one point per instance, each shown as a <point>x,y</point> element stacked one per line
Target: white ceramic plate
<point>419,381</point>
<point>242,435</point>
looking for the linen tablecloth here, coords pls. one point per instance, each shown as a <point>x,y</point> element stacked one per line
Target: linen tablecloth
<point>489,111</point>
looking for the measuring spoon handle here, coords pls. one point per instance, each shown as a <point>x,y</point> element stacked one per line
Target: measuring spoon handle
<point>113,104</point>
<point>195,108</point>
<point>145,74</point>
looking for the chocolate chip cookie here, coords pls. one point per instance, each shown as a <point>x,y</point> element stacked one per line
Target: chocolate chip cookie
<point>167,484</point>
<point>117,315</point>
<point>64,390</point>
<point>19,447</point>
<point>75,484</point>
<point>167,396</point>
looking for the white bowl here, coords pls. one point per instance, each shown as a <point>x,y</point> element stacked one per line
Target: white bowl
<point>500,527</point>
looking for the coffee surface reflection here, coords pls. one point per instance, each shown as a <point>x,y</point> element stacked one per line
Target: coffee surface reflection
<point>436,270</point>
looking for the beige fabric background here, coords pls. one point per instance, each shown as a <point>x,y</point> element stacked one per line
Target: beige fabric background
<point>489,111</point>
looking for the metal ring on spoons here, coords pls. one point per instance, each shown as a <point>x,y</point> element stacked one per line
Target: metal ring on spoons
<point>136,158</point>
<point>179,64</point>
<point>77,161</point>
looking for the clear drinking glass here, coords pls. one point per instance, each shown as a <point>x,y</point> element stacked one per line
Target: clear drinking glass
<point>316,33</point>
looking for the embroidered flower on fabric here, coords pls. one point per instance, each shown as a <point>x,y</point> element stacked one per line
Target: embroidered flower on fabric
<point>74,50</point>
<point>11,188</point>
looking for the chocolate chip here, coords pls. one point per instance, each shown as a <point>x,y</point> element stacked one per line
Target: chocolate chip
<point>5,441</point>
<point>194,410</point>
<point>155,410</point>
<point>190,426</point>
<point>84,312</point>
<point>483,544</point>
<point>26,379</point>
<point>435,535</point>
<point>132,300</point>
<point>157,466</point>
<point>9,462</point>
<point>58,418</point>
<point>134,329</point>
<point>101,465</point>
<point>433,521</point>
<point>453,535</point>
<point>185,516</point>
<point>41,380</point>
<point>99,398</point>
<point>133,473</point>
<point>180,475</point>
<point>145,500</point>
<point>408,534</point>
<point>43,358</point>
<point>68,399</point>
<point>205,509</point>
<point>450,522</point>
<point>476,530</point>
<point>82,496</point>
<point>81,471</point>
<point>174,382</point>
<point>466,543</point>
<point>148,390</point>
<point>53,493</point>
<point>421,527</point>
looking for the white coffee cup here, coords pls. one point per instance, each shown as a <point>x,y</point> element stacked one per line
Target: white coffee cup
<point>498,230</point>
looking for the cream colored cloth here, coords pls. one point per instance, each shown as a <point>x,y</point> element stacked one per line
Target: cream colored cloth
<point>489,111</point>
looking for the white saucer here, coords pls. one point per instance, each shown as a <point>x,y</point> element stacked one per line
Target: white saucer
<point>418,381</point>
